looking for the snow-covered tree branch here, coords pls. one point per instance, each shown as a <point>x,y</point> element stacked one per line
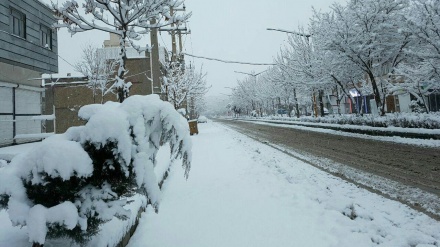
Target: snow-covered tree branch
<point>129,19</point>
<point>184,86</point>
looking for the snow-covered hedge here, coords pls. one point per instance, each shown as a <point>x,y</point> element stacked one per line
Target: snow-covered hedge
<point>404,120</point>
<point>73,182</point>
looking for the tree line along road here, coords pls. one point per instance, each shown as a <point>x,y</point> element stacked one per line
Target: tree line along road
<point>410,165</point>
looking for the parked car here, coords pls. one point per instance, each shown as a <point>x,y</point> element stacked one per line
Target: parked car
<point>282,111</point>
<point>202,119</point>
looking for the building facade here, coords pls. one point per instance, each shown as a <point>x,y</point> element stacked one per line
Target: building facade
<point>28,48</point>
<point>67,94</point>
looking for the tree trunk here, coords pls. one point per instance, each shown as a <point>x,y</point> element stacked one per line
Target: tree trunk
<point>344,91</point>
<point>338,100</point>
<point>361,108</point>
<point>422,98</point>
<point>315,110</point>
<point>376,92</point>
<point>296,103</point>
<point>321,102</point>
<point>122,90</point>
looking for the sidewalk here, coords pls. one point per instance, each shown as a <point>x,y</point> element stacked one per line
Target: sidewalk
<point>244,193</point>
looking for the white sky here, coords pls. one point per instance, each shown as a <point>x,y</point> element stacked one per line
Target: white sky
<point>227,29</point>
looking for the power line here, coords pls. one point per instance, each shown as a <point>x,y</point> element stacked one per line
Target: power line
<point>66,61</point>
<point>226,61</point>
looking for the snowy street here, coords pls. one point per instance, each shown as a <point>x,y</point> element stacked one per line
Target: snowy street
<point>193,123</point>
<point>244,193</point>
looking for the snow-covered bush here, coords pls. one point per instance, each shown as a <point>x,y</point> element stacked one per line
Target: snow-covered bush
<point>72,183</point>
<point>404,120</point>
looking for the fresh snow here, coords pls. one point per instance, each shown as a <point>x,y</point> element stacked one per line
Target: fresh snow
<point>361,127</point>
<point>7,153</point>
<point>243,193</point>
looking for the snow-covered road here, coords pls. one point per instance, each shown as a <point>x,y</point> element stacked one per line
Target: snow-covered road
<point>244,193</point>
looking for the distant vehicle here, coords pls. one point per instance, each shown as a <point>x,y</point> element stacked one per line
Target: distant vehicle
<point>202,119</point>
<point>282,111</point>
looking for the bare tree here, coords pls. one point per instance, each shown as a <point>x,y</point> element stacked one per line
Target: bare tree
<point>184,86</point>
<point>98,67</point>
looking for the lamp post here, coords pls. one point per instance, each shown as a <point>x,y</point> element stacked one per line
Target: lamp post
<point>254,106</point>
<point>254,75</point>
<point>306,35</point>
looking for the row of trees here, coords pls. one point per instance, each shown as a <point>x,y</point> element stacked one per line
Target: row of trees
<point>379,48</point>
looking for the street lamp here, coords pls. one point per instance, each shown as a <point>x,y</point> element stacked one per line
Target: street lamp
<point>292,32</point>
<point>254,75</point>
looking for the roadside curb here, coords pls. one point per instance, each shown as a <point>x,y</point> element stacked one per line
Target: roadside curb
<point>372,132</point>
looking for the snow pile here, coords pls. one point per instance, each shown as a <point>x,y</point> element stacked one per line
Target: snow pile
<point>74,182</point>
<point>3,163</point>
<point>404,120</point>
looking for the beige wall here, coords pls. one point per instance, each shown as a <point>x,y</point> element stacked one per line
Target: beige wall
<point>15,74</point>
<point>68,99</point>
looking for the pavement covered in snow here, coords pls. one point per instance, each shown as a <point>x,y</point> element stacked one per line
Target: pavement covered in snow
<point>243,193</point>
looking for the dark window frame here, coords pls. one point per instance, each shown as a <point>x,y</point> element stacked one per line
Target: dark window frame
<point>45,36</point>
<point>17,22</point>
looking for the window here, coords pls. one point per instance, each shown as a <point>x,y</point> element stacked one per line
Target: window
<point>18,23</point>
<point>46,37</point>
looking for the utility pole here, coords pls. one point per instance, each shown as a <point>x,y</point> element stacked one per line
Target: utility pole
<point>154,61</point>
<point>156,84</point>
<point>173,39</point>
<point>175,56</point>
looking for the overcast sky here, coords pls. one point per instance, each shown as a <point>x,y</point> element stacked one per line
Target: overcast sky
<point>227,29</point>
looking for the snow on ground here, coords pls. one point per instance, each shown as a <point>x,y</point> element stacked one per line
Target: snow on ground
<point>7,153</point>
<point>394,189</point>
<point>244,193</point>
